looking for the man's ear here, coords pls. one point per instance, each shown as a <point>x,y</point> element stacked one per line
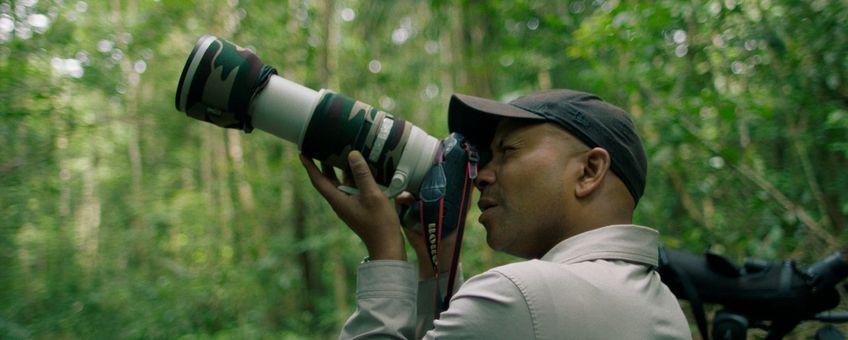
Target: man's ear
<point>596,163</point>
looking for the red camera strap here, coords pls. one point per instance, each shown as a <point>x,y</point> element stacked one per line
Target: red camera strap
<point>432,220</point>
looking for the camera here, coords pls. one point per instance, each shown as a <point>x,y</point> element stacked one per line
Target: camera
<point>229,86</point>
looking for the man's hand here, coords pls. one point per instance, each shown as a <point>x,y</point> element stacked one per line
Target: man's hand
<point>416,238</point>
<point>369,214</point>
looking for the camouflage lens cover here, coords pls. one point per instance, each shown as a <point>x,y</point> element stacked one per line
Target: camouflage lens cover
<point>341,124</point>
<point>218,82</point>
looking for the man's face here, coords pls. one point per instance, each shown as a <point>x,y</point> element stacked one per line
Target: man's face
<point>527,188</point>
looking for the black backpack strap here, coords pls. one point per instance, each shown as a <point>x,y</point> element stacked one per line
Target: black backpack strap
<point>689,290</point>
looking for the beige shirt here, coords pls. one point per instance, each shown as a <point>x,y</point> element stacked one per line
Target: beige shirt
<point>600,284</point>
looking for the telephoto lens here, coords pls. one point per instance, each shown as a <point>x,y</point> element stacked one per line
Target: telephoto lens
<point>229,86</point>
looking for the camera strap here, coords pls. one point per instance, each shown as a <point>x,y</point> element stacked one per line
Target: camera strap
<point>455,163</point>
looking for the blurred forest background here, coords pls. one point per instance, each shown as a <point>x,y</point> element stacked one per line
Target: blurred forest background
<point>122,218</point>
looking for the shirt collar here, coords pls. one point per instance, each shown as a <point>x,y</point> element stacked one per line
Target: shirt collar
<point>615,242</point>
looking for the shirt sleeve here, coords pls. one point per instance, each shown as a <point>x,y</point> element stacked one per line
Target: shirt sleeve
<point>385,302</point>
<point>487,306</point>
<point>427,299</point>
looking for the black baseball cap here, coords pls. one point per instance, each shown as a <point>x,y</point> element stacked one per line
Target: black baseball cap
<point>584,115</point>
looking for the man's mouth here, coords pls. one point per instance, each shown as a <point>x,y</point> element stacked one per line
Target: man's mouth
<point>486,203</point>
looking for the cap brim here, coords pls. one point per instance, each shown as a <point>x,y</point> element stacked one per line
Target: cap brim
<point>476,118</point>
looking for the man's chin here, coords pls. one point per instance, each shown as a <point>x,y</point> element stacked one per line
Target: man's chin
<point>492,242</point>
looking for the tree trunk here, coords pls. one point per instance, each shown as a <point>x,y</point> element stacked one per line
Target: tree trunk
<point>311,280</point>
<point>329,60</point>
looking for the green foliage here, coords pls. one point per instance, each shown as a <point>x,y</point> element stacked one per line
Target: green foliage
<point>124,219</point>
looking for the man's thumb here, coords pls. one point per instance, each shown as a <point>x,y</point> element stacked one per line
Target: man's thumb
<point>361,173</point>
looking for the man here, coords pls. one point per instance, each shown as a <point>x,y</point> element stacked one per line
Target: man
<point>563,173</point>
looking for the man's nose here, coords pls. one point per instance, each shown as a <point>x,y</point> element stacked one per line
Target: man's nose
<point>485,177</point>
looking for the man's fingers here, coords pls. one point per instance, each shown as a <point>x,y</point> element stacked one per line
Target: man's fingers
<point>321,183</point>
<point>362,174</point>
<point>347,177</point>
<point>405,198</point>
<point>330,173</point>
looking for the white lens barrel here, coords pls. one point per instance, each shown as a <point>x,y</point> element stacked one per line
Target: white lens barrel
<point>283,108</point>
<point>416,160</point>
